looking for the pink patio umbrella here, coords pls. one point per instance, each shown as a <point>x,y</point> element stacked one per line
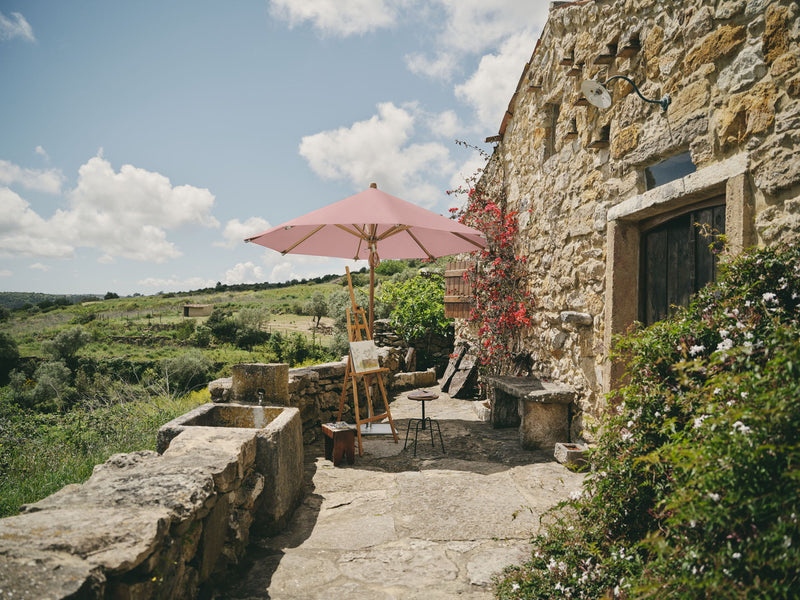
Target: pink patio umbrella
<point>371,225</point>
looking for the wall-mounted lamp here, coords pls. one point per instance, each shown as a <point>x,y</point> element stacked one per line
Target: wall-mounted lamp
<point>597,94</point>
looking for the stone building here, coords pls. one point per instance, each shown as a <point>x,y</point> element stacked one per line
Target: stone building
<point>608,199</point>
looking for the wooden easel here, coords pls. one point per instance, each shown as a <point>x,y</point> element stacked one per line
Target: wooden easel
<point>358,331</point>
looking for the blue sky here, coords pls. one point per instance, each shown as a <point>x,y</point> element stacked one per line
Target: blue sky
<point>140,142</point>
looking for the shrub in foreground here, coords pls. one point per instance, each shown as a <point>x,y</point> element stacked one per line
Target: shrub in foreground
<point>41,453</point>
<point>693,489</point>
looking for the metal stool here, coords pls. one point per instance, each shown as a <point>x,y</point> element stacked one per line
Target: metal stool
<point>423,396</point>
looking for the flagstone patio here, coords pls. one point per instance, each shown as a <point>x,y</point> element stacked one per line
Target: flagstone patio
<point>435,526</point>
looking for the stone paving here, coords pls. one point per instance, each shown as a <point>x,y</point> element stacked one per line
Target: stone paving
<point>391,526</point>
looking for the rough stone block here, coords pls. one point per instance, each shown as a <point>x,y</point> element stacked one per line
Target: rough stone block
<point>570,454</point>
<point>260,382</point>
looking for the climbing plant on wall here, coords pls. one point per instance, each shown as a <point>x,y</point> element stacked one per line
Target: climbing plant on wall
<point>499,278</point>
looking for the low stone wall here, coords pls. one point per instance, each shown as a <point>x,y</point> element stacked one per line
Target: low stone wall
<point>316,390</point>
<point>143,526</point>
<point>431,350</point>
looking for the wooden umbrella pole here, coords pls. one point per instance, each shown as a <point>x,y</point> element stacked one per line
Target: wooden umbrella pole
<point>371,298</point>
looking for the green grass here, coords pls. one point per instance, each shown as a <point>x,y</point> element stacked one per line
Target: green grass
<point>41,453</point>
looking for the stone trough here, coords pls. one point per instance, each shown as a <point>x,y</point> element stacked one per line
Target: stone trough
<point>279,451</point>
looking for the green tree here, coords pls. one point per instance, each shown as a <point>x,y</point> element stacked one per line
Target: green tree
<point>53,390</point>
<point>253,318</point>
<point>416,306</point>
<point>222,326</point>
<point>66,343</point>
<point>110,296</point>
<point>9,355</point>
<point>317,307</point>
<point>186,371</point>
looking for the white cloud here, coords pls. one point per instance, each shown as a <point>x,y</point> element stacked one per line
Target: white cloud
<point>39,267</point>
<point>125,214</point>
<point>468,173</point>
<point>47,180</point>
<point>445,124</point>
<point>439,67</point>
<point>245,273</point>
<point>5,273</point>
<point>470,27</point>
<point>378,150</point>
<point>490,88</point>
<point>16,26</point>
<point>42,152</point>
<point>25,233</point>
<point>338,17</point>
<point>175,284</point>
<point>235,231</point>
<point>473,26</point>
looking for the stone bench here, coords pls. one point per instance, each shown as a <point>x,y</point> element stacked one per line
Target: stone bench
<point>539,408</point>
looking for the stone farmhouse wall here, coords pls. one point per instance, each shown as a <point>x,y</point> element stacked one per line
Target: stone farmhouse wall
<point>576,174</point>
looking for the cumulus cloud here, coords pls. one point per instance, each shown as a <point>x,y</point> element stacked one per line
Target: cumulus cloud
<point>122,214</point>
<point>445,124</point>
<point>379,150</point>
<point>39,180</point>
<point>24,233</point>
<point>247,272</point>
<point>175,284</point>
<point>127,214</point>
<point>42,152</point>
<point>39,267</point>
<point>338,17</point>
<point>489,89</point>
<point>15,26</point>
<point>5,273</point>
<point>439,67</point>
<point>473,26</point>
<point>235,231</point>
<point>470,27</point>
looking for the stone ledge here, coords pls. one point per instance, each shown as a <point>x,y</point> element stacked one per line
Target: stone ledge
<point>532,389</point>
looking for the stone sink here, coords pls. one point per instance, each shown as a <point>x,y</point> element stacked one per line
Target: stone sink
<point>230,415</point>
<point>279,451</point>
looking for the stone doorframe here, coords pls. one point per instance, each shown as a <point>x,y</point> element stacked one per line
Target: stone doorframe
<point>623,230</point>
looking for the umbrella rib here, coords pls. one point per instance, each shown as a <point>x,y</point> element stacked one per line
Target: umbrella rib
<point>393,230</point>
<point>355,231</point>
<point>424,249</point>
<point>297,243</point>
<point>466,239</point>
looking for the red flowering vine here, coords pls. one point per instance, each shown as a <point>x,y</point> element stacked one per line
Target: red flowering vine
<point>502,302</point>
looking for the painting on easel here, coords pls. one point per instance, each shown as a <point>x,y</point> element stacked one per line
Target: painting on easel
<point>365,356</point>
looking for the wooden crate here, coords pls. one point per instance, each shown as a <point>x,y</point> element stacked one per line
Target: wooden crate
<point>457,290</point>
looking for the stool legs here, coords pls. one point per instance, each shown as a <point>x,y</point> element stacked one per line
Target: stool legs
<point>420,423</point>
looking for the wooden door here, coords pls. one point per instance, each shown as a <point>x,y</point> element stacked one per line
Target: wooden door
<point>676,259</point>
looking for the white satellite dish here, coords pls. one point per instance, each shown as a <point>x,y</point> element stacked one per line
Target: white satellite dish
<point>596,94</point>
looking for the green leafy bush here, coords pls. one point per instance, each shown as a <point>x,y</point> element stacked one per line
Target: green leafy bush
<point>693,489</point>
<point>9,355</point>
<point>41,453</point>
<point>416,306</point>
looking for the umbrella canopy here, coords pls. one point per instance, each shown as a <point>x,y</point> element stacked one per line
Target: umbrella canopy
<point>371,225</point>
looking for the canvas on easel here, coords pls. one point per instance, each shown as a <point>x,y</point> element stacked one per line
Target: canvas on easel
<point>363,364</point>
<point>365,356</point>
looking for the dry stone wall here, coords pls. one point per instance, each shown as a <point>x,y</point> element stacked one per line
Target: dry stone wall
<point>144,526</point>
<point>315,391</point>
<point>576,173</point>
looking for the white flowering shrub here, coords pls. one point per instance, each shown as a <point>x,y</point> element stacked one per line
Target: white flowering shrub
<point>693,491</point>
